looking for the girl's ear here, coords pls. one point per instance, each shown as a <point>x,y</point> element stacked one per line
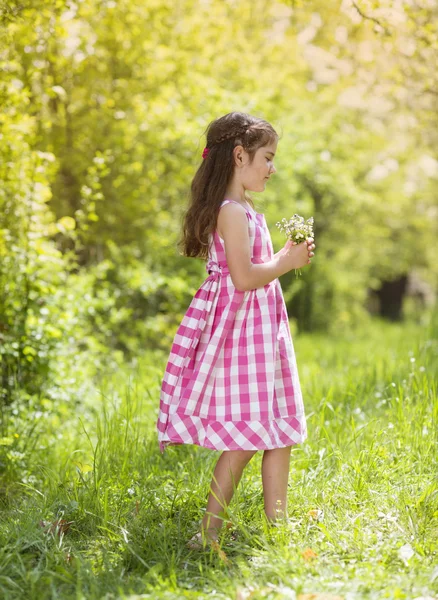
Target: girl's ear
<point>238,155</point>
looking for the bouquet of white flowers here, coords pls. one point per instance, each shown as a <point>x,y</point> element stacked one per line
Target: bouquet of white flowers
<point>297,230</point>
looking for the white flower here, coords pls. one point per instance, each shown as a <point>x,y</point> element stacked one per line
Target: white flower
<point>406,552</point>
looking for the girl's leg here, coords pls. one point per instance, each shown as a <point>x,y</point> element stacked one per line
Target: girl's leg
<point>275,475</point>
<point>226,477</point>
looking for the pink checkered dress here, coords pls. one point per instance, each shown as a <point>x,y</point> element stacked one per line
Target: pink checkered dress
<point>231,380</point>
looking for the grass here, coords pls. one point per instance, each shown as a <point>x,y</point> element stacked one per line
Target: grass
<point>91,509</point>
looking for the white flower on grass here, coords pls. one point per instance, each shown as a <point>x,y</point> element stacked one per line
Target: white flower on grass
<point>285,592</point>
<point>131,491</point>
<point>406,552</point>
<point>257,561</point>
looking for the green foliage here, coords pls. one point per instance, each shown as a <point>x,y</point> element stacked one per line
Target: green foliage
<point>126,152</point>
<point>32,269</point>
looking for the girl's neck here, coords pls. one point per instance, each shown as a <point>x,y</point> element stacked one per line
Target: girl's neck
<point>235,191</point>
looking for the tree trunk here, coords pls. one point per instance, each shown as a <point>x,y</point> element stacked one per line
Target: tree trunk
<point>391,296</point>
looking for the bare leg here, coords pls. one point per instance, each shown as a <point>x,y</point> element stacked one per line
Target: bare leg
<point>275,475</point>
<point>226,477</point>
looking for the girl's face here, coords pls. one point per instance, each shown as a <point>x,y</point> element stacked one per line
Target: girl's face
<point>255,175</point>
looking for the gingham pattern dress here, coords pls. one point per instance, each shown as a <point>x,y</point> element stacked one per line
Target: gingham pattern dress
<point>231,381</point>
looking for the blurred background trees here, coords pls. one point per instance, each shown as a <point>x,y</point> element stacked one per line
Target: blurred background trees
<point>104,105</point>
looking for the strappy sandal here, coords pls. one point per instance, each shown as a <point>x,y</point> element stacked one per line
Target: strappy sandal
<point>197,543</point>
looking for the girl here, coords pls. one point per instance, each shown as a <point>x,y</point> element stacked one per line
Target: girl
<point>231,382</point>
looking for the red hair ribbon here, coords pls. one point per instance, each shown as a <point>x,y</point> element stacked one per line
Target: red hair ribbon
<point>205,152</point>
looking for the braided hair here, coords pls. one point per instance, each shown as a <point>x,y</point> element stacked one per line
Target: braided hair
<point>234,133</point>
<point>209,185</point>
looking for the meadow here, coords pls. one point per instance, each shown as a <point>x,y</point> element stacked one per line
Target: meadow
<point>90,509</point>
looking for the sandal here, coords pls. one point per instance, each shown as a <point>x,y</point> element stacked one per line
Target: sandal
<point>197,543</point>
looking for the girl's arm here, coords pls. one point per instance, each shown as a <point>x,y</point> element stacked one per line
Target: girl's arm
<point>279,253</point>
<point>244,273</point>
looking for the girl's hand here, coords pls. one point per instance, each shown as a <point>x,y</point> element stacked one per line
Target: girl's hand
<point>298,255</point>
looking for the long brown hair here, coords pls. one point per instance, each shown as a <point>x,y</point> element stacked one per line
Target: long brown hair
<point>215,172</point>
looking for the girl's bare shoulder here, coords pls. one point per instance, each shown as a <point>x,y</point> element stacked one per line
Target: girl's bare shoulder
<point>228,211</point>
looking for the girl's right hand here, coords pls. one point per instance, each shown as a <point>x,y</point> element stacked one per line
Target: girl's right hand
<point>296,255</point>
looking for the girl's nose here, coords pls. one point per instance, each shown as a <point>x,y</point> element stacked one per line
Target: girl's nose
<point>273,169</point>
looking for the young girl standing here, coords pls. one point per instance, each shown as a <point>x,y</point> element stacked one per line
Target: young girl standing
<point>231,382</point>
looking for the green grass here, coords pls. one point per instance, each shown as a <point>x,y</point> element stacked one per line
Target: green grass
<point>363,488</point>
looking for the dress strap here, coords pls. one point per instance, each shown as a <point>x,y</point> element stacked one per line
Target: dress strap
<point>226,202</point>
<point>248,212</point>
